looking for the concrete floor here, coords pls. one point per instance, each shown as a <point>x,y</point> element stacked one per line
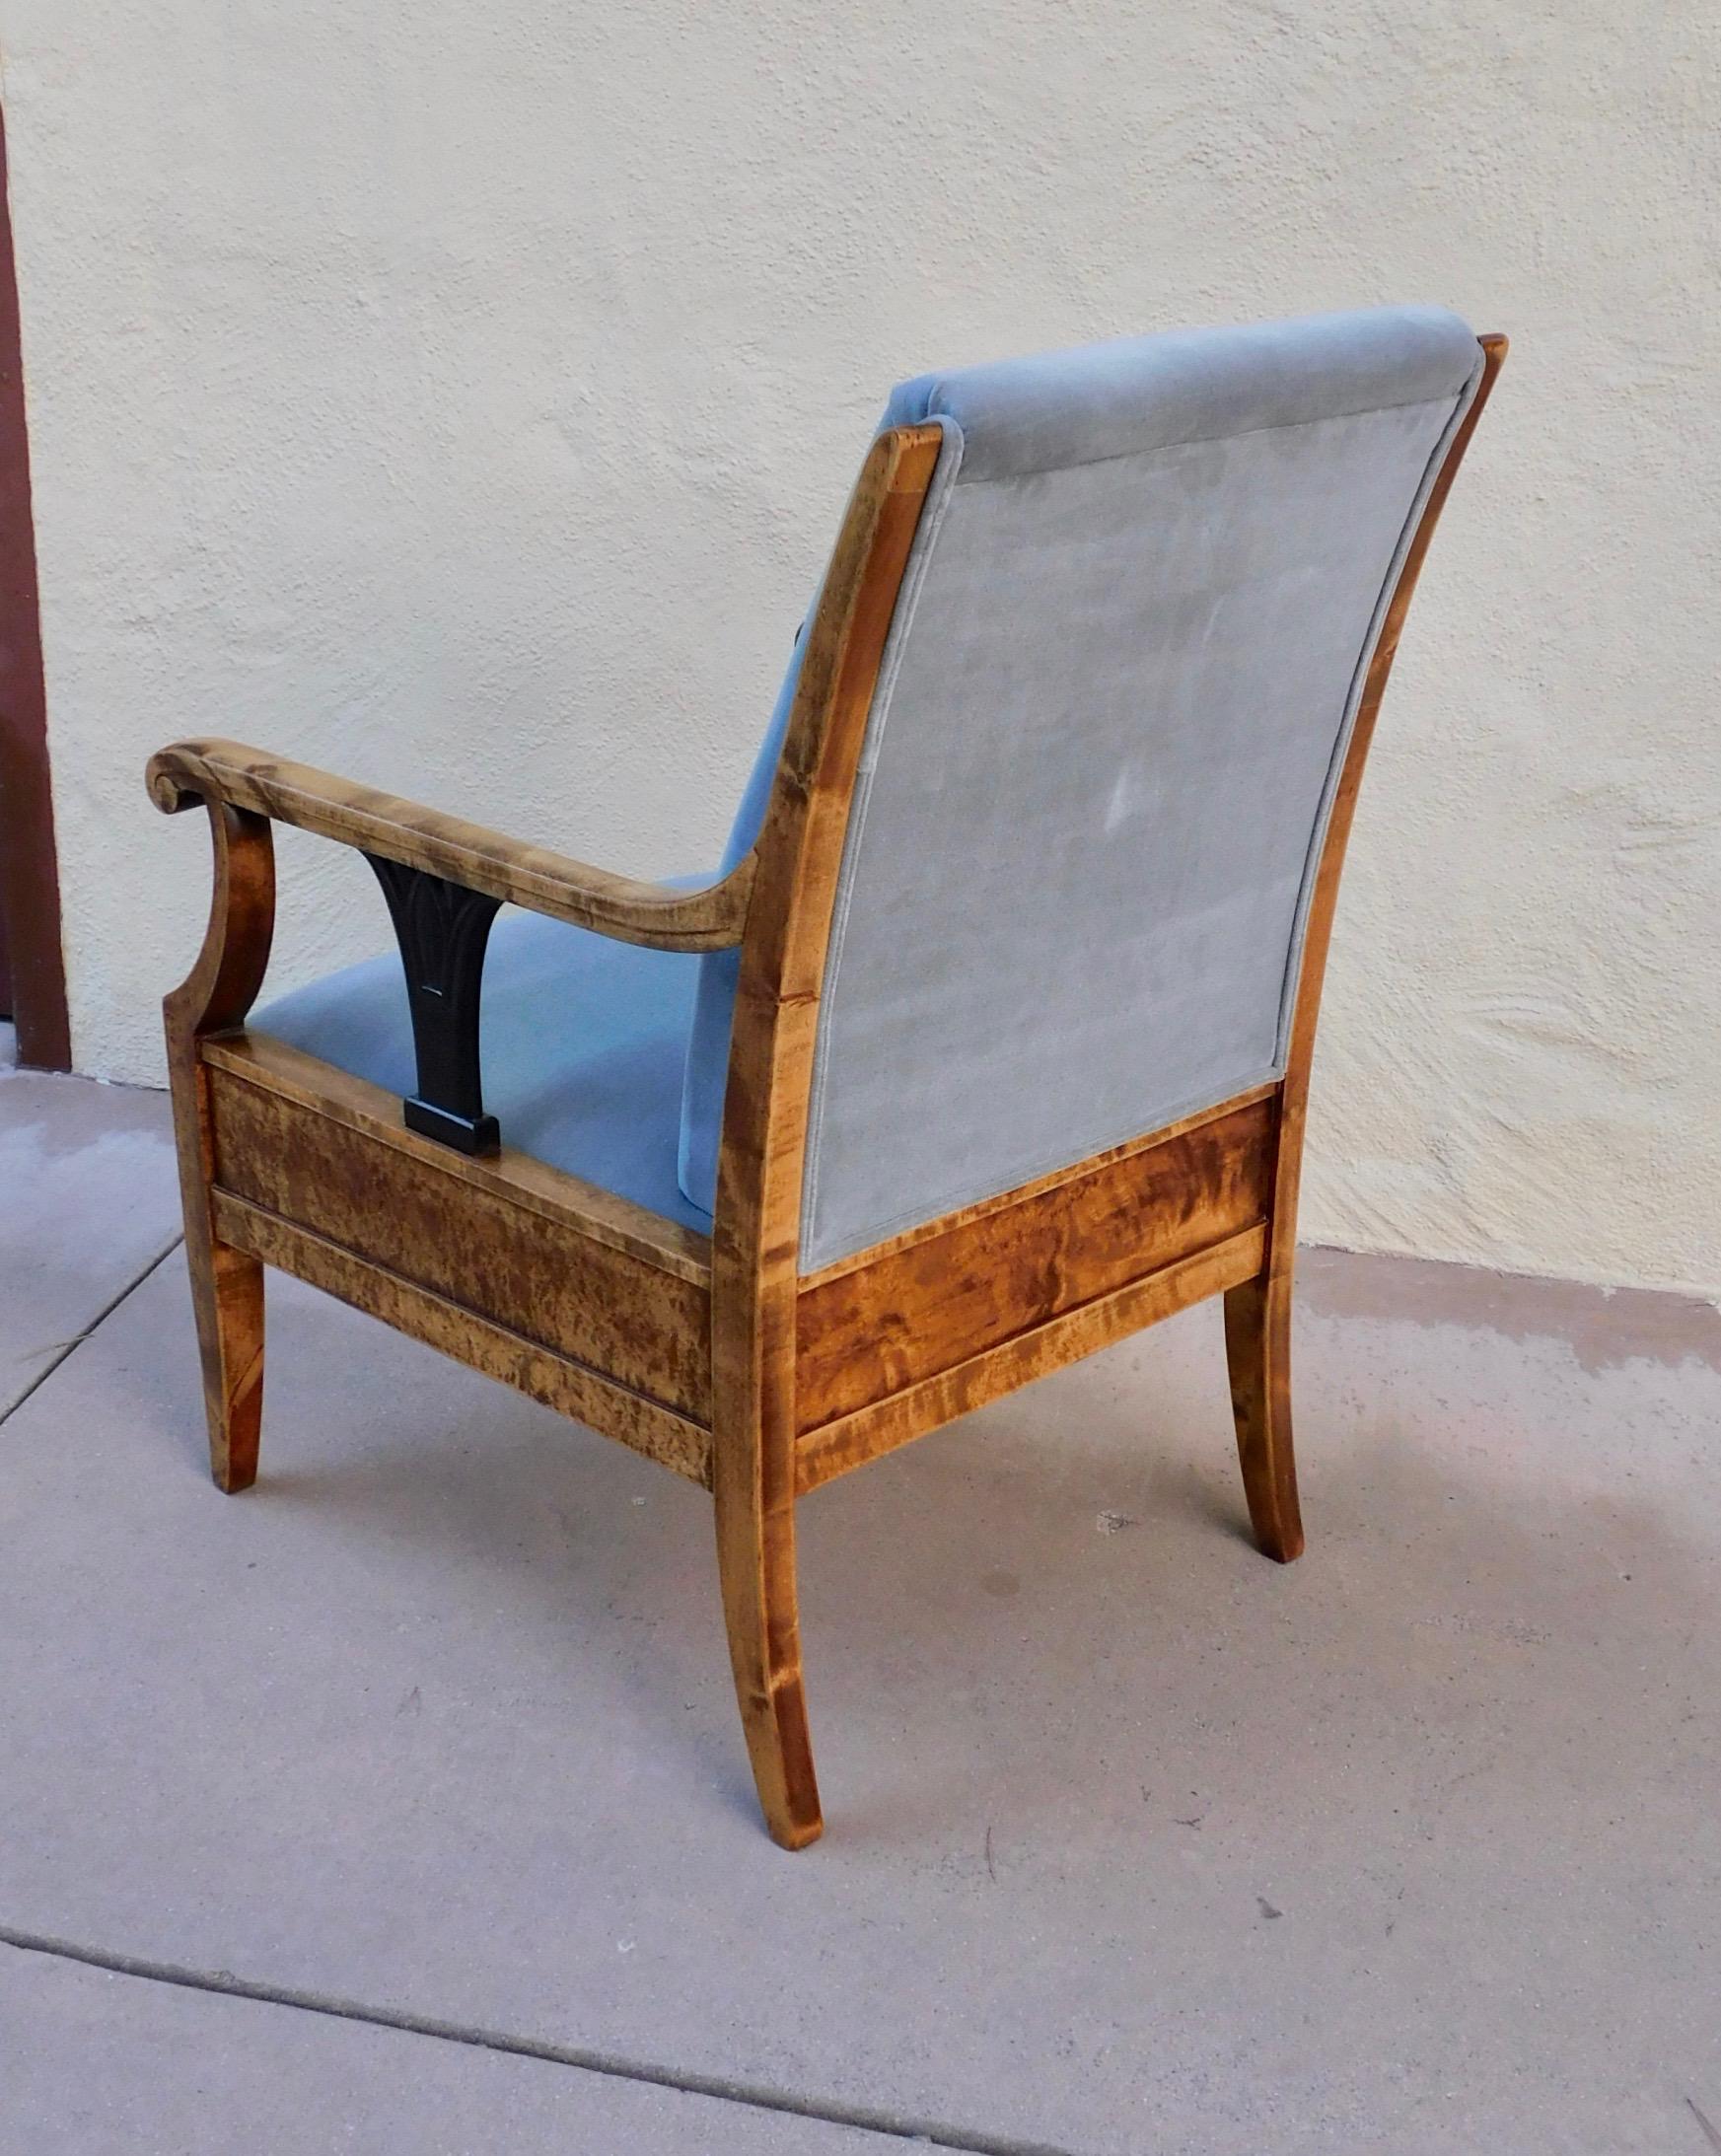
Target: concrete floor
<point>400,1804</point>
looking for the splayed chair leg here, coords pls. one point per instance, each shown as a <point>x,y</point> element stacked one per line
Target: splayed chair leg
<point>227,1285</point>
<point>1258,1348</point>
<point>227,1292</point>
<point>756,1557</point>
<point>227,1289</point>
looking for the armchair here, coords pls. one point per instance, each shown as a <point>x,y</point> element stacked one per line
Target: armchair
<point>990,1044</point>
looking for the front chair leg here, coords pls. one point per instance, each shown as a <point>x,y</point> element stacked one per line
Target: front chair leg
<point>227,1285</point>
<point>1258,1348</point>
<point>755,1562</point>
<point>227,1295</point>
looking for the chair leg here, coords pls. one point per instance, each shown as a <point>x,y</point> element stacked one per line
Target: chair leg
<point>1258,1348</point>
<point>756,1560</point>
<point>226,1286</point>
<point>227,1290</point>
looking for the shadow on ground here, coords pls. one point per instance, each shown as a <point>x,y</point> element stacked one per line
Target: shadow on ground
<point>1135,1840</point>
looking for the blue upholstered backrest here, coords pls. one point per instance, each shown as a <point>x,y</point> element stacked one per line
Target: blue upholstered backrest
<point>1119,684</point>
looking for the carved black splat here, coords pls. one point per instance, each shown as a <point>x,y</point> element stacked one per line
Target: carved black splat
<point>443,929</point>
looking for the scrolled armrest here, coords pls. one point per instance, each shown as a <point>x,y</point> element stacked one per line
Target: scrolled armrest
<point>379,824</point>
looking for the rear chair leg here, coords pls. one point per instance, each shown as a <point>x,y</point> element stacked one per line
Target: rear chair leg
<point>755,1562</point>
<point>1257,1347</point>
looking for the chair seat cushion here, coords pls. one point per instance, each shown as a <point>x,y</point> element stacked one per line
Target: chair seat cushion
<point>583,1043</point>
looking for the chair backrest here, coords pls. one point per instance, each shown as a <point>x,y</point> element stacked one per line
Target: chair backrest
<point>1119,684</point>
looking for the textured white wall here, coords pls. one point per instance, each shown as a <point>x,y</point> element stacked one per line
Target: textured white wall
<point>464,396</point>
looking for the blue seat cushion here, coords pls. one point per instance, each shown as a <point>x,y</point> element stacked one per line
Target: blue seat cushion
<point>583,1043</point>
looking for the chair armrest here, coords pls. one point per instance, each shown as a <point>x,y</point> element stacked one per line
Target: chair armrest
<point>380,825</point>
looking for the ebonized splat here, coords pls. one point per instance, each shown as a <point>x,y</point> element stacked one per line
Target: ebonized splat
<point>443,929</point>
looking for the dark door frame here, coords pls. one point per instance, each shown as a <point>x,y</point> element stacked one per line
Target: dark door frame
<point>32,973</point>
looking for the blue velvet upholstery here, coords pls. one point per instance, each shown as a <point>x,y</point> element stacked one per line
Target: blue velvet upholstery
<point>584,1041</point>
<point>1099,759</point>
<point>1131,396</point>
<point>1143,593</point>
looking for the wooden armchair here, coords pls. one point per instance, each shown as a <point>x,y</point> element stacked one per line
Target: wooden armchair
<point>996,1028</point>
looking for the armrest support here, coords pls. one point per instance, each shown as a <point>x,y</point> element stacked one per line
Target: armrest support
<point>502,868</point>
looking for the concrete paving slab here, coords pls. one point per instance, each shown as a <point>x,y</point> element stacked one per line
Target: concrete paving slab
<point>88,1198</point>
<point>1137,1841</point>
<point>98,2064</point>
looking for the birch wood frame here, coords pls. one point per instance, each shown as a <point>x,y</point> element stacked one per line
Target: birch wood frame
<point>716,1356</point>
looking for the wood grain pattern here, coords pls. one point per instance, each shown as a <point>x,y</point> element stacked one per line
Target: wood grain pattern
<point>516,1266</point>
<point>980,1277</point>
<point>1258,1315</point>
<point>226,1284</point>
<point>1258,1359</point>
<point>1007,1200</point>
<point>756,1235</point>
<point>851,1440</point>
<point>617,1222</point>
<point>621,907</point>
<point>587,1395</point>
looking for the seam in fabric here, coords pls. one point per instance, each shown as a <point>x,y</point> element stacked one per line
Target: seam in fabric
<point>1191,441</point>
<point>1289,986</point>
<point>925,540</point>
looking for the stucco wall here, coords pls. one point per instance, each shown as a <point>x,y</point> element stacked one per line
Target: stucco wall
<point>464,396</point>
